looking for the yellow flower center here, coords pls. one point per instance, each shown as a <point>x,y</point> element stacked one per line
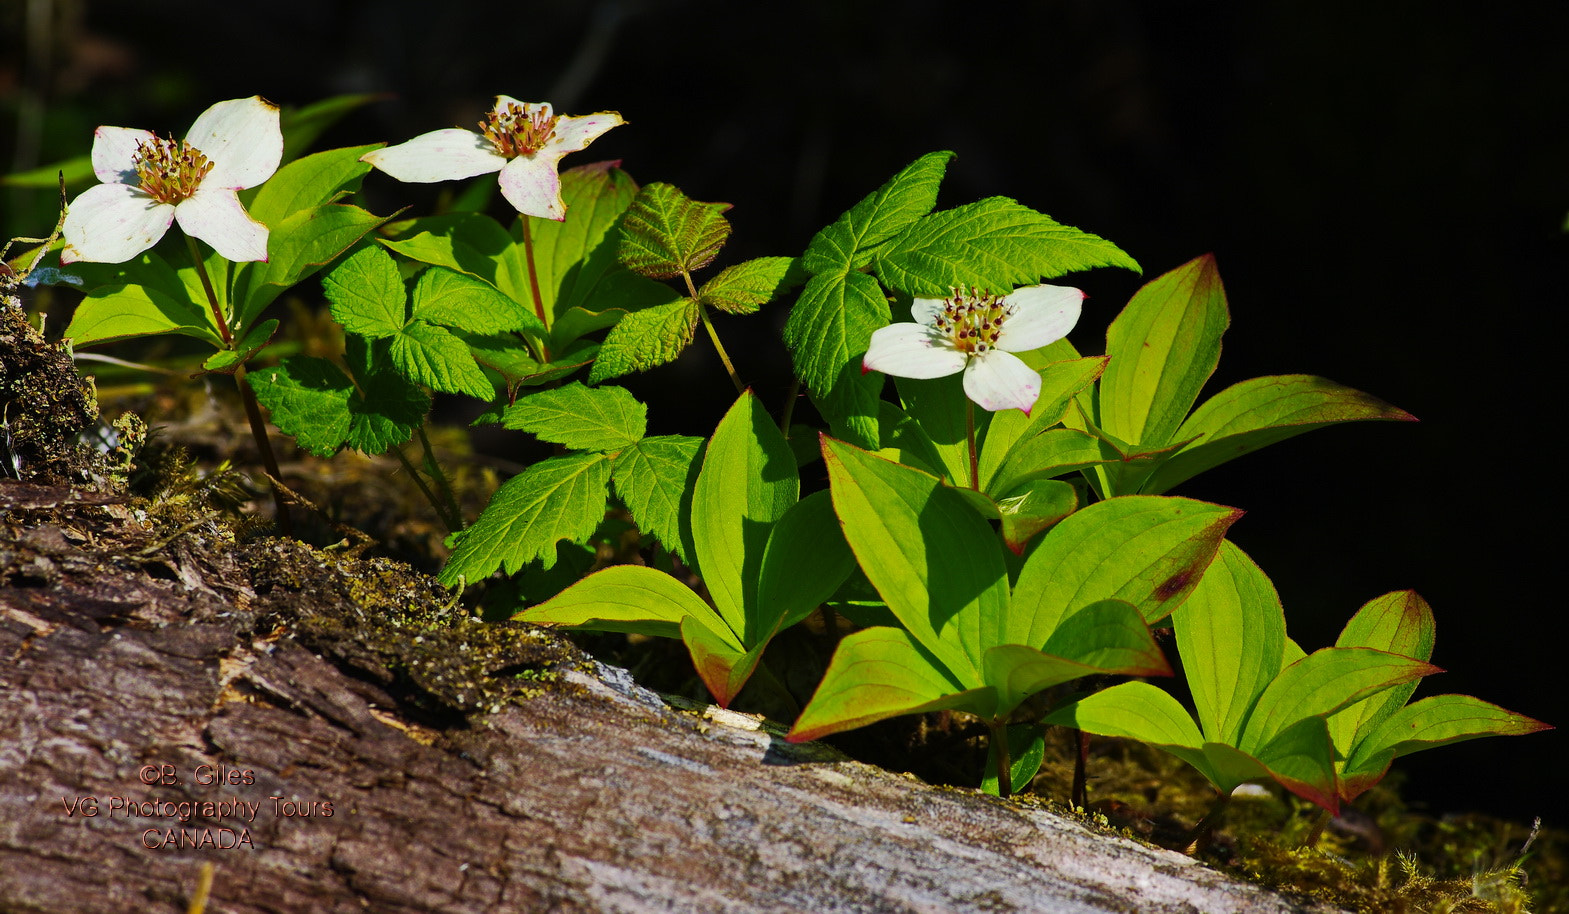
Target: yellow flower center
<point>169,171</point>
<point>518,132</point>
<point>973,320</point>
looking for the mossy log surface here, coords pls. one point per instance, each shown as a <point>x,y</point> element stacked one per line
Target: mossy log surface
<point>468,767</point>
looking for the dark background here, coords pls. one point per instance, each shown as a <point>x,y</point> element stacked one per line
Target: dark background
<point>1384,185</point>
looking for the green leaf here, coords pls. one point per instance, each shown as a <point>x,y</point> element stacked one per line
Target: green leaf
<point>227,360</point>
<point>665,233</point>
<point>117,312</point>
<point>805,562</point>
<point>297,247</point>
<point>845,245</point>
<point>1060,383</point>
<point>1146,550</point>
<point>653,477</point>
<point>307,183</point>
<point>1138,710</point>
<point>745,287</point>
<point>828,331</point>
<point>581,418</point>
<point>508,355</point>
<point>1027,745</point>
<point>747,483</point>
<point>1163,347</point>
<point>432,356</point>
<point>1247,416</point>
<point>1302,759</point>
<point>471,243</point>
<point>931,557</point>
<point>1432,722</point>
<point>994,244</point>
<point>1033,507</point>
<point>1321,684</point>
<point>939,407</point>
<point>626,598</point>
<point>458,300</point>
<point>562,498</point>
<point>308,399</point>
<point>1401,623</point>
<point>880,673</point>
<point>645,339</point>
<point>723,667</point>
<point>1231,633</point>
<point>366,294</point>
<point>1054,452</point>
<point>390,408</point>
<point>1105,637</point>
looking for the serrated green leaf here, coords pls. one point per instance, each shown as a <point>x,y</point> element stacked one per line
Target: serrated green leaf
<point>747,482</point>
<point>1231,634</point>
<point>581,418</point>
<point>1163,347</point>
<point>625,598</point>
<point>462,302</point>
<point>509,356</point>
<point>645,339</point>
<point>653,477</point>
<point>845,245</point>
<point>877,674</point>
<point>1321,684</point>
<point>430,355</point>
<point>929,554</point>
<point>995,244</point>
<point>665,233</point>
<point>575,259</point>
<point>296,248</point>
<point>120,311</point>
<point>1247,416</point>
<point>747,286</point>
<point>1146,550</point>
<point>562,498</point>
<point>366,294</point>
<point>828,331</point>
<point>308,399</point>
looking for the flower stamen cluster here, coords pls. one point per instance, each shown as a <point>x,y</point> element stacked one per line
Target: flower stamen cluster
<point>973,319</point>
<point>168,170</point>
<point>515,131</point>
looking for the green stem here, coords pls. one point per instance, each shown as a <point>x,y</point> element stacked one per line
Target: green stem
<point>454,514</point>
<point>1202,832</point>
<point>212,295</point>
<point>713,334</point>
<point>1317,832</point>
<point>533,282</point>
<point>789,407</point>
<point>424,489</point>
<point>1004,761</point>
<point>969,435</point>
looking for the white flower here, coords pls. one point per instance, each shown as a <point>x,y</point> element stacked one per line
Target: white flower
<point>151,182</point>
<point>523,141</point>
<point>978,333</point>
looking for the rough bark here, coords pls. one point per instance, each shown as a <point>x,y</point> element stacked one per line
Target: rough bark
<point>467,767</point>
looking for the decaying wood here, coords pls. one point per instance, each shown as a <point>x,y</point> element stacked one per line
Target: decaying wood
<point>386,782</point>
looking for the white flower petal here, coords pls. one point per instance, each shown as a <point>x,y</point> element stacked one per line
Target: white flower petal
<point>531,185</point>
<point>998,380</point>
<point>925,310</point>
<point>912,351</point>
<point>111,223</point>
<point>114,149</point>
<point>215,216</point>
<point>242,139</point>
<point>574,133</point>
<point>1045,315</point>
<point>441,155</point>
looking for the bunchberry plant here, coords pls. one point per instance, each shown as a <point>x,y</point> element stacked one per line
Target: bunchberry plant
<point>983,558</point>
